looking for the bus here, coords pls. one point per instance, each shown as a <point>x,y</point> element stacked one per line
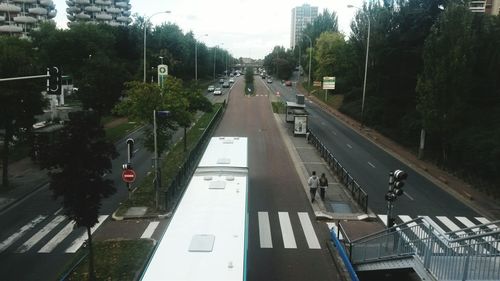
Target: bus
<point>206,238</point>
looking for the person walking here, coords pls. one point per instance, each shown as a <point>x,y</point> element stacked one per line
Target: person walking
<point>313,183</point>
<point>323,184</point>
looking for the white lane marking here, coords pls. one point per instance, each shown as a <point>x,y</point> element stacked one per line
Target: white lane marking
<point>58,238</point>
<point>58,211</point>
<point>333,132</point>
<point>150,229</point>
<point>265,230</point>
<point>307,227</point>
<point>348,145</point>
<point>13,238</point>
<point>40,234</point>
<point>286,231</point>
<point>408,195</point>
<point>332,225</point>
<point>79,241</point>
<point>373,166</point>
<point>135,151</point>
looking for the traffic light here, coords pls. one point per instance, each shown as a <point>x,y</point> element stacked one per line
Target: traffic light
<point>126,166</point>
<point>399,177</point>
<point>54,81</point>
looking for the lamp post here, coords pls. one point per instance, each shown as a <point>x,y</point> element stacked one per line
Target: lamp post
<point>310,57</point>
<point>215,54</point>
<point>145,26</point>
<point>366,65</point>
<point>196,58</point>
<point>157,179</point>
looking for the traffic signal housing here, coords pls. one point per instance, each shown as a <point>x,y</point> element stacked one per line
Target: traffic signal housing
<point>54,81</point>
<point>399,177</point>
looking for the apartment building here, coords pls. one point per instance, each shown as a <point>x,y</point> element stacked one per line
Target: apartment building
<point>19,17</point>
<point>112,12</point>
<point>301,16</point>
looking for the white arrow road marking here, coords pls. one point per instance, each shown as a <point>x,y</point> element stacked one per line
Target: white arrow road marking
<point>373,166</point>
<point>14,237</point>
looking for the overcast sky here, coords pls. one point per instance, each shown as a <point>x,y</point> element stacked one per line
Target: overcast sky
<point>246,28</point>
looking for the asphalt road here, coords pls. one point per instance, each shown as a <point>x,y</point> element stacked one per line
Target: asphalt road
<point>39,213</point>
<point>281,246</point>
<point>370,166</point>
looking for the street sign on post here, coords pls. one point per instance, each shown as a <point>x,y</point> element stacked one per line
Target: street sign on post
<point>328,83</point>
<point>128,175</point>
<point>162,74</point>
<point>317,83</point>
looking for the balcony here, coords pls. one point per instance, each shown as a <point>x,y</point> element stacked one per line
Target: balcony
<point>4,7</point>
<point>121,4</point>
<point>123,19</point>
<point>38,11</point>
<point>103,16</point>
<point>70,17</point>
<point>11,29</point>
<point>25,19</point>
<point>114,10</point>
<point>52,14</point>
<point>92,9</point>
<point>103,2</point>
<point>25,1</point>
<point>82,16</point>
<point>82,2</point>
<point>47,3</point>
<point>72,10</point>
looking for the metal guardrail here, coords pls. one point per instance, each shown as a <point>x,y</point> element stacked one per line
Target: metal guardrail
<point>179,183</point>
<point>474,256</point>
<point>343,175</point>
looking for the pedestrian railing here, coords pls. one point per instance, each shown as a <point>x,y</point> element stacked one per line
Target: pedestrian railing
<point>473,255</point>
<point>179,183</point>
<point>357,192</point>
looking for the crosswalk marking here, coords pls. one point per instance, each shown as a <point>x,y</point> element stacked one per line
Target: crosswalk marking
<point>264,230</point>
<point>13,238</point>
<point>40,235</point>
<point>492,227</point>
<point>451,225</point>
<point>58,238</point>
<point>312,240</point>
<point>79,241</point>
<point>150,229</point>
<point>419,232</point>
<point>287,231</point>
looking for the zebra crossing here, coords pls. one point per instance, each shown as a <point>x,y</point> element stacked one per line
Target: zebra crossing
<point>49,234</point>
<point>287,230</point>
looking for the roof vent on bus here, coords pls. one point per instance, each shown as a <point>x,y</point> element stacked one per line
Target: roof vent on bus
<point>202,243</point>
<point>224,161</point>
<point>217,185</point>
<point>207,178</point>
<point>230,178</point>
<point>227,141</point>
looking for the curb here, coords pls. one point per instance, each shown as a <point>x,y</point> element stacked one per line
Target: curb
<point>115,217</point>
<point>24,196</point>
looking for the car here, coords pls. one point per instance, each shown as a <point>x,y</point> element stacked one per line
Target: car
<point>288,83</point>
<point>269,80</point>
<point>221,81</point>
<point>211,88</point>
<point>217,91</point>
<point>225,84</point>
<point>231,80</point>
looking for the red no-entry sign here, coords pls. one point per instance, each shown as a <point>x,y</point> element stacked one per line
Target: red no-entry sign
<point>128,175</point>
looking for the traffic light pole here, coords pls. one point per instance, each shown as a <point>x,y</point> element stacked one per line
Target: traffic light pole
<point>390,199</point>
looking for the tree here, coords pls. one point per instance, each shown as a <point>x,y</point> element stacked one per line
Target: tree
<point>328,54</point>
<point>444,86</point>
<point>78,161</point>
<point>21,100</point>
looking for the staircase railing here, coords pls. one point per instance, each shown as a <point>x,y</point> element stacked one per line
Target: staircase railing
<point>467,254</point>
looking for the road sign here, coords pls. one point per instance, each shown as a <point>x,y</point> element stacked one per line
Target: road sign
<point>317,83</point>
<point>128,175</point>
<point>328,83</point>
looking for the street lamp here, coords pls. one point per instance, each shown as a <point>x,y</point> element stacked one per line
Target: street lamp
<point>157,179</point>
<point>366,65</point>
<point>310,57</point>
<point>196,58</point>
<point>145,26</point>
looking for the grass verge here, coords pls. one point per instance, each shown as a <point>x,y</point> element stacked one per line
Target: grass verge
<point>113,260</point>
<point>278,107</point>
<point>144,193</point>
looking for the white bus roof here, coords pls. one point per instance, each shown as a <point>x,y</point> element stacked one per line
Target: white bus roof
<point>226,152</point>
<point>206,237</point>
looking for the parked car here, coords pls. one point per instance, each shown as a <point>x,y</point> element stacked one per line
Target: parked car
<point>217,91</point>
<point>225,85</point>
<point>288,83</point>
<point>221,81</point>
<point>269,80</point>
<point>211,88</point>
<point>231,80</point>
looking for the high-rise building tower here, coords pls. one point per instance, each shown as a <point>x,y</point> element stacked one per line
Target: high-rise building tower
<point>19,17</point>
<point>112,12</point>
<point>301,16</point>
